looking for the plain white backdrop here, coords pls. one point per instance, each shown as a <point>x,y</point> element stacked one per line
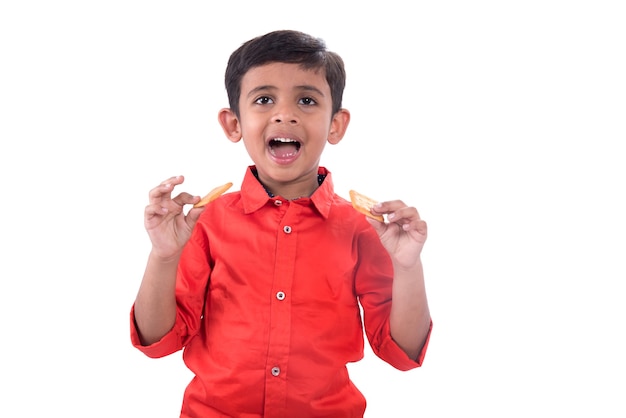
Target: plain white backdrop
<point>503,122</point>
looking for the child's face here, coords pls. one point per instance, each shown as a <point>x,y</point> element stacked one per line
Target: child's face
<point>285,121</point>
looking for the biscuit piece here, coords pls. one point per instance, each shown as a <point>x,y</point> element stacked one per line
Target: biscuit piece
<point>363,204</point>
<point>213,194</point>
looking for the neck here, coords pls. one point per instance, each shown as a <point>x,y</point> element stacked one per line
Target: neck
<point>292,191</point>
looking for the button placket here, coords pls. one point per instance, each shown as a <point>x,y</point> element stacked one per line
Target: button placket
<point>280,306</point>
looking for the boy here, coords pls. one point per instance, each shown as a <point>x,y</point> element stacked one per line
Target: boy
<point>262,287</point>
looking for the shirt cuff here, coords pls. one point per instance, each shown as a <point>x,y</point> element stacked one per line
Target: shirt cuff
<point>169,344</point>
<point>398,358</point>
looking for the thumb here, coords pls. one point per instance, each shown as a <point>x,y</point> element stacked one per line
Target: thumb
<point>380,227</point>
<point>193,216</point>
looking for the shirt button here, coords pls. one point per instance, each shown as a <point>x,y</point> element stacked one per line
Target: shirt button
<point>275,371</point>
<point>278,202</point>
<point>280,295</point>
<point>287,229</point>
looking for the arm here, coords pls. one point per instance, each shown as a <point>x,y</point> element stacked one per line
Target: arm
<point>404,237</point>
<point>169,229</point>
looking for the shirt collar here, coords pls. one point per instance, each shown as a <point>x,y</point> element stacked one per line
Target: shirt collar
<point>254,195</point>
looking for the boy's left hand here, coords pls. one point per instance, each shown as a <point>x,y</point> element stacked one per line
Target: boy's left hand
<point>404,235</point>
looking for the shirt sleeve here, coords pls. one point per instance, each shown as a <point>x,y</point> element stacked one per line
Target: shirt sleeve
<point>170,343</point>
<point>374,279</point>
<point>193,273</point>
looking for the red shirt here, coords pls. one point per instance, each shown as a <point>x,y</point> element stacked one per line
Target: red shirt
<point>268,294</point>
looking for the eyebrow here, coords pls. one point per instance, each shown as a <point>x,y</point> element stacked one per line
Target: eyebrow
<point>304,87</point>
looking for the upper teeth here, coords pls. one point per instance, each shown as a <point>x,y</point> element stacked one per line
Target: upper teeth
<point>284,140</point>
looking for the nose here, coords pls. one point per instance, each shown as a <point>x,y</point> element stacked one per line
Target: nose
<point>285,114</point>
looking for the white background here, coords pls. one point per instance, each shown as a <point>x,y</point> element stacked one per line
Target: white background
<point>502,122</point>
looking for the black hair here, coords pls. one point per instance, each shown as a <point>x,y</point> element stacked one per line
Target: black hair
<point>287,46</point>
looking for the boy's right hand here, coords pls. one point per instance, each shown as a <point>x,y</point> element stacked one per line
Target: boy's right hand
<point>167,225</point>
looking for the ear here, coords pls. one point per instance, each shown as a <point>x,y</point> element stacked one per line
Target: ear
<point>338,126</point>
<point>230,124</point>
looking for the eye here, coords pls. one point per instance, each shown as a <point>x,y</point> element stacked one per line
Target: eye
<point>307,101</point>
<point>263,100</point>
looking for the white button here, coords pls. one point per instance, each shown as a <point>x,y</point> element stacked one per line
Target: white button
<point>287,229</point>
<point>278,202</point>
<point>280,295</point>
<point>275,371</point>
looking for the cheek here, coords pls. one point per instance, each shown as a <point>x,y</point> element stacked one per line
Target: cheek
<point>252,127</point>
<point>323,131</point>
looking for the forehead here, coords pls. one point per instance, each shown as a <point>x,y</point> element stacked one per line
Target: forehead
<point>283,76</point>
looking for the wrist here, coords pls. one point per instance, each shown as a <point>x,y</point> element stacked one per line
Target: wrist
<point>164,258</point>
<point>408,270</point>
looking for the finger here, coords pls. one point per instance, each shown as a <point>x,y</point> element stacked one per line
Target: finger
<point>171,207</point>
<point>185,198</point>
<point>387,207</point>
<point>175,180</point>
<point>422,227</point>
<point>403,215</point>
<point>380,227</point>
<point>416,225</point>
<point>162,206</point>
<point>159,193</point>
<point>155,210</point>
<point>164,189</point>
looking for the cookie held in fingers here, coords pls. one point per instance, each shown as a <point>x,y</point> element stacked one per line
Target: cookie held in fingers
<point>213,194</point>
<point>364,204</point>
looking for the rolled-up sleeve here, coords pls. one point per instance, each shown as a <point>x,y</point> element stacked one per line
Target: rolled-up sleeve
<point>374,283</point>
<point>191,284</point>
<point>170,343</point>
<point>387,349</point>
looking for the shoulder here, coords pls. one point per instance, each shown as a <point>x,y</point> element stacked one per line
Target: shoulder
<point>218,210</point>
<point>343,212</point>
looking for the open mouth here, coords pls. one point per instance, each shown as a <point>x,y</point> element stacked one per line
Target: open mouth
<point>284,148</point>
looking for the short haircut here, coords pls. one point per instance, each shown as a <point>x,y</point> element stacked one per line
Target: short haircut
<point>286,46</point>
